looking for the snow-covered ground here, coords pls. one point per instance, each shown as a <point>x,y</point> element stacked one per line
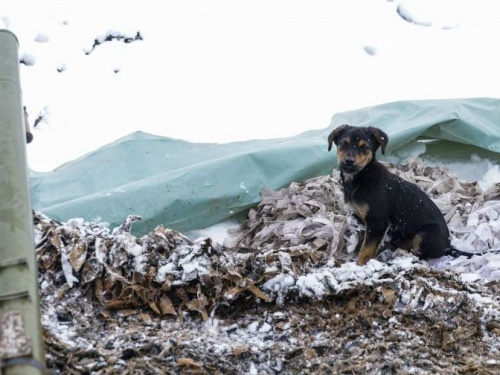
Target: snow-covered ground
<point>219,71</point>
<point>186,304</point>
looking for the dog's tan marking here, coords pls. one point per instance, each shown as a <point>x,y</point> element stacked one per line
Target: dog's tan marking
<point>368,251</point>
<point>406,245</point>
<point>341,149</point>
<point>363,143</point>
<point>413,244</point>
<point>363,159</point>
<point>417,242</point>
<point>340,154</point>
<point>360,209</point>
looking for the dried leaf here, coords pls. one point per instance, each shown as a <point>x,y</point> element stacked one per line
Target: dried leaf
<point>188,362</point>
<point>146,318</point>
<point>127,312</point>
<point>98,291</point>
<point>62,291</point>
<point>389,295</point>
<point>91,270</point>
<point>106,313</point>
<point>115,304</point>
<point>154,307</point>
<point>285,259</point>
<point>232,293</point>
<point>239,349</point>
<point>231,271</point>
<point>448,341</point>
<point>67,269</point>
<point>387,313</point>
<point>201,297</point>
<point>101,250</point>
<point>56,242</point>
<point>181,293</point>
<point>78,254</point>
<point>48,259</point>
<point>166,306</point>
<point>199,306</point>
<point>351,305</point>
<point>282,326</point>
<point>259,293</point>
<point>310,353</point>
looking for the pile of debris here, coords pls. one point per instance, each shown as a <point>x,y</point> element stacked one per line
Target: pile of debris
<point>313,214</point>
<point>281,298</point>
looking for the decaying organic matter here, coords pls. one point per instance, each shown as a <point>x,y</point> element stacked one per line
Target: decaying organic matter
<point>281,297</point>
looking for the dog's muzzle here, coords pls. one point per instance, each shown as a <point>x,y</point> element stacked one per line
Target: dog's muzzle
<point>349,166</point>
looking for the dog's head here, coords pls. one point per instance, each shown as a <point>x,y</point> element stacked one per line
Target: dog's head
<point>356,147</point>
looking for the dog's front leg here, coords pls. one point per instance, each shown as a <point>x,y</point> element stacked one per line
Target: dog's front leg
<point>371,242</point>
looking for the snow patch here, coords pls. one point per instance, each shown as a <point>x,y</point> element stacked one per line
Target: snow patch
<point>28,59</point>
<point>444,14</point>
<point>42,38</point>
<point>370,50</point>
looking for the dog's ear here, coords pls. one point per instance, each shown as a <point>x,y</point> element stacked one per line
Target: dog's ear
<point>380,137</point>
<point>335,134</point>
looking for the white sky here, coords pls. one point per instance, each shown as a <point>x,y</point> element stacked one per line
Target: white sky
<point>227,70</point>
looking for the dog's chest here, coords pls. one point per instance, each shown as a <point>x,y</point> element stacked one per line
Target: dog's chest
<point>359,209</point>
<point>353,197</point>
<point>349,190</point>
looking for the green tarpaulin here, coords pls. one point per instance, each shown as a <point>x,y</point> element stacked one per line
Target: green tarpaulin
<point>188,186</point>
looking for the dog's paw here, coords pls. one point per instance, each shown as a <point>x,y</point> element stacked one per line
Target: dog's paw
<point>385,255</point>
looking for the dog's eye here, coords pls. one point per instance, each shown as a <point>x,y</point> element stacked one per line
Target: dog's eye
<point>344,144</point>
<point>363,147</point>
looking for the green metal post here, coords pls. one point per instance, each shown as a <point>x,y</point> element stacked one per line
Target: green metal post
<point>21,340</point>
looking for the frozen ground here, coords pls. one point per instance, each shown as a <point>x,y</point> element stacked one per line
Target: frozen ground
<point>283,295</point>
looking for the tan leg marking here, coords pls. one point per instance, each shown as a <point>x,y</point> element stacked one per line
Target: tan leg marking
<point>368,251</point>
<point>412,244</point>
<point>417,242</point>
<point>360,209</point>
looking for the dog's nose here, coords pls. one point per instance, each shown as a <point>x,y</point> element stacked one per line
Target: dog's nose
<point>349,161</point>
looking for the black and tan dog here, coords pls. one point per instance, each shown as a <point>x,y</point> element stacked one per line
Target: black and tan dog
<point>384,201</point>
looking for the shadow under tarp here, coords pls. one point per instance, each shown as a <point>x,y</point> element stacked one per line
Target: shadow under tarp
<point>186,186</point>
